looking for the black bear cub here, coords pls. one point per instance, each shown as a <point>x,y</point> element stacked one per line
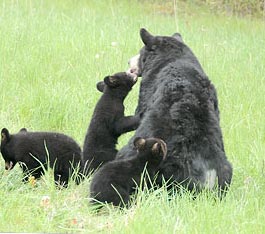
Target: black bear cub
<point>34,150</point>
<point>116,180</point>
<point>108,121</point>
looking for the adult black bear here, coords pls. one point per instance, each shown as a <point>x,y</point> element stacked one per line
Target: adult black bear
<point>114,182</point>
<point>31,149</point>
<point>178,103</point>
<point>108,121</point>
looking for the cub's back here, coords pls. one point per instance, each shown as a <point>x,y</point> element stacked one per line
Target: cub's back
<point>43,143</point>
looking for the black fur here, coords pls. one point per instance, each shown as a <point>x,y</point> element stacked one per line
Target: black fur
<point>178,103</point>
<point>114,182</point>
<point>108,121</point>
<point>30,148</point>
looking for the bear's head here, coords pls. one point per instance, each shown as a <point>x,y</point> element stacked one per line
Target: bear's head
<point>6,139</point>
<point>153,150</point>
<point>157,49</point>
<point>121,82</point>
<point>7,147</point>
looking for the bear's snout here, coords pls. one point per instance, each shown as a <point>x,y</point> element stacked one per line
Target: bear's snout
<point>133,65</point>
<point>8,165</point>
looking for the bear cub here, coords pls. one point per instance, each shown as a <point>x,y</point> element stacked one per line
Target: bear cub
<point>116,180</point>
<point>108,121</point>
<point>34,150</point>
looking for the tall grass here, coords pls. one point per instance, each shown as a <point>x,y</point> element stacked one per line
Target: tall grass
<point>52,55</point>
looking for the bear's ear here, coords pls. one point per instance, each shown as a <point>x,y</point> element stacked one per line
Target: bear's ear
<point>147,38</point>
<point>178,37</point>
<point>160,147</point>
<point>23,130</point>
<point>5,136</point>
<point>111,81</point>
<point>156,148</point>
<point>100,86</point>
<point>139,142</point>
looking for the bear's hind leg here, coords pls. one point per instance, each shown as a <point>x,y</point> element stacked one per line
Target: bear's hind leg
<point>225,173</point>
<point>61,178</point>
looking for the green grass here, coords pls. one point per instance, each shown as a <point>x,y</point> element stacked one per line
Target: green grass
<point>48,73</point>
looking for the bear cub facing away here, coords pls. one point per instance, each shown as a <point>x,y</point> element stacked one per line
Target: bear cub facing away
<point>108,121</point>
<point>29,149</point>
<point>116,180</point>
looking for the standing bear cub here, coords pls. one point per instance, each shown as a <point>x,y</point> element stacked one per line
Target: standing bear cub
<point>115,181</point>
<point>37,150</point>
<point>108,121</point>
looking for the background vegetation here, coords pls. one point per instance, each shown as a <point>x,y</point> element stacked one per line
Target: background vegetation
<point>52,55</point>
<point>238,7</point>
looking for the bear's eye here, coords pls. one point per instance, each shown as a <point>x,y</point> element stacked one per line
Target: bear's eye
<point>143,59</point>
<point>153,48</point>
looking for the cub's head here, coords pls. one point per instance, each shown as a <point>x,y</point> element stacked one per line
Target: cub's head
<point>153,150</point>
<point>5,151</point>
<point>157,51</point>
<point>7,147</point>
<point>121,81</point>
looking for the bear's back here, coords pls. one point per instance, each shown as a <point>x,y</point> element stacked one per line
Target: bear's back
<point>43,144</point>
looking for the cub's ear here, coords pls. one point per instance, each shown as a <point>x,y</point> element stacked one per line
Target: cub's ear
<point>100,86</point>
<point>156,148</point>
<point>178,37</point>
<point>139,142</point>
<point>23,130</point>
<point>111,81</point>
<point>147,38</point>
<point>5,136</point>
<point>160,148</point>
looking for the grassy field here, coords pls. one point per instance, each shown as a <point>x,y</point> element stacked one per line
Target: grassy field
<point>52,53</point>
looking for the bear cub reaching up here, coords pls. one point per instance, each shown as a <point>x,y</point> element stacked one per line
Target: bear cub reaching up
<point>108,121</point>
<point>33,151</point>
<point>116,180</point>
